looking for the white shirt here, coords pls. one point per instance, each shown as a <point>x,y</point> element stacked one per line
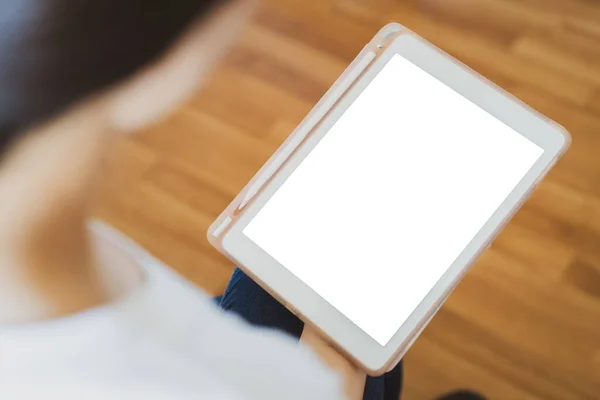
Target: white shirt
<point>165,340</point>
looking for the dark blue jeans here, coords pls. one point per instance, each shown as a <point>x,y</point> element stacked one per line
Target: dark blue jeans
<point>255,305</point>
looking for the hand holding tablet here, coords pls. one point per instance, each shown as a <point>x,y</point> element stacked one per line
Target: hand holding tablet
<point>377,205</point>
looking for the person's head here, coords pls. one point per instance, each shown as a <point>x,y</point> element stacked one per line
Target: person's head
<point>74,76</point>
<point>75,73</point>
<point>56,53</point>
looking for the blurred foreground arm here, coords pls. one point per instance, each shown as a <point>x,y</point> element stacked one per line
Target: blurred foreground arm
<point>354,378</point>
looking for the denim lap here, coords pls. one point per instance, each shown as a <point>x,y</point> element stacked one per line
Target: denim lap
<point>247,299</point>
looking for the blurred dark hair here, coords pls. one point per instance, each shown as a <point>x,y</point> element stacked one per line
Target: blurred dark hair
<point>56,52</point>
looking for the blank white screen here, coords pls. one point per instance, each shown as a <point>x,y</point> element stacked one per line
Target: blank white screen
<point>391,196</point>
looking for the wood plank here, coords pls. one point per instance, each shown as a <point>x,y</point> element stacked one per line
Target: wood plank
<point>547,54</point>
<point>594,104</point>
<point>502,22</point>
<point>529,326</point>
<point>584,276</point>
<point>526,373</point>
<point>218,148</point>
<point>340,37</point>
<point>536,250</point>
<point>258,94</point>
<point>571,44</point>
<point>492,58</point>
<point>585,26</point>
<point>306,60</point>
<point>557,202</point>
<point>440,369</point>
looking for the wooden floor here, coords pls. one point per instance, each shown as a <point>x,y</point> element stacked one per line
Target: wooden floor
<point>525,324</point>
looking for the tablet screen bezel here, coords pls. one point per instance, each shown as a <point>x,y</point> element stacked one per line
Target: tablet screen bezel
<point>293,292</point>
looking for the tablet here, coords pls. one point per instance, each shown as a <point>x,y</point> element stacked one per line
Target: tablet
<point>375,207</point>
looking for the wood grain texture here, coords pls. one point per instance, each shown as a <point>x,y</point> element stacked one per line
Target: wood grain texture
<point>525,323</point>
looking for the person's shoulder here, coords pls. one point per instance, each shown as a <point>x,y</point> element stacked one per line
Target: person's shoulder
<point>135,389</point>
<point>257,360</point>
